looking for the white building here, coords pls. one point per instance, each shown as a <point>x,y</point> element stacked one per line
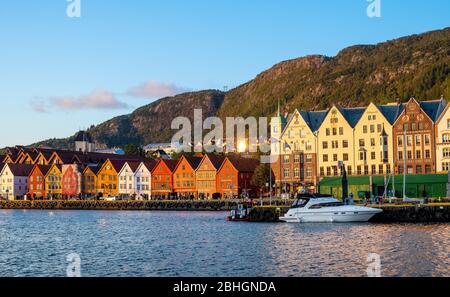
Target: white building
<point>84,143</point>
<point>127,184</point>
<point>14,180</point>
<point>143,178</point>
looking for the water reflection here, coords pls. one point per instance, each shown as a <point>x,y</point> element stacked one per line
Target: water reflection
<point>35,243</point>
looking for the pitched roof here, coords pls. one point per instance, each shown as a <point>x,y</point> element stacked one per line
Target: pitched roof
<point>391,112</point>
<point>44,168</point>
<point>314,118</point>
<point>172,164</point>
<point>433,108</point>
<point>244,164</point>
<point>93,168</point>
<point>134,165</point>
<point>352,115</point>
<point>150,164</point>
<point>194,162</point>
<point>20,169</point>
<point>216,160</point>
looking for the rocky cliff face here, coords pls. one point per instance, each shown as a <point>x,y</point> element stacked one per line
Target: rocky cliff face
<point>417,65</point>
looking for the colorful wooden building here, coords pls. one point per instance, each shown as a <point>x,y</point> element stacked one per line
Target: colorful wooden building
<point>14,182</point>
<point>205,177</point>
<point>108,178</point>
<point>162,179</point>
<point>36,181</point>
<point>53,182</point>
<point>89,184</point>
<point>71,180</point>
<point>184,177</point>
<point>234,178</point>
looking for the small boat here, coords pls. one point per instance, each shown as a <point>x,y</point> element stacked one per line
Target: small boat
<point>317,208</point>
<point>241,212</point>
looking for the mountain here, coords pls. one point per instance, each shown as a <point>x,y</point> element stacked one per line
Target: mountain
<point>414,66</point>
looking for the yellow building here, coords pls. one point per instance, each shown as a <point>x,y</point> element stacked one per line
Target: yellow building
<point>374,140</point>
<point>296,167</point>
<point>443,141</point>
<point>53,182</point>
<point>336,141</point>
<point>107,178</point>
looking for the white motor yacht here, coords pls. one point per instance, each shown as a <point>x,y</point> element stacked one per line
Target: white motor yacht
<point>316,208</point>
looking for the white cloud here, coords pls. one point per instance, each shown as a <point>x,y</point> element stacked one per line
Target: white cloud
<point>97,99</point>
<point>155,89</point>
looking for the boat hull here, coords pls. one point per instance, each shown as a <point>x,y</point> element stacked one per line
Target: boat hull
<point>331,217</point>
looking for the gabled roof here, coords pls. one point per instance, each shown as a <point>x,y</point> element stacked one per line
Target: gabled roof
<point>352,115</point>
<point>314,118</point>
<point>150,164</point>
<point>215,160</point>
<point>93,168</point>
<point>194,162</point>
<point>433,108</point>
<point>20,169</point>
<point>391,112</point>
<point>134,165</point>
<point>244,164</point>
<point>44,169</point>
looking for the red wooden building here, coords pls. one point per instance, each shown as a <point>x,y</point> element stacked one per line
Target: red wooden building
<point>36,181</point>
<point>162,179</point>
<point>71,181</point>
<point>234,178</point>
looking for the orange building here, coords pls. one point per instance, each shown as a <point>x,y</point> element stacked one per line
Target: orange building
<point>234,177</point>
<point>162,179</point>
<point>205,176</point>
<point>36,181</point>
<point>184,177</point>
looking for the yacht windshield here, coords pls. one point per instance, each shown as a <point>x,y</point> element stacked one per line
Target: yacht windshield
<point>299,203</point>
<point>329,204</point>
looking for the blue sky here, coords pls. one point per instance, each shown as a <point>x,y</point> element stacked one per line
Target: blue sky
<point>60,74</point>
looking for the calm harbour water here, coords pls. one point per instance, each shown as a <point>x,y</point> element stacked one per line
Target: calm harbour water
<point>36,243</point>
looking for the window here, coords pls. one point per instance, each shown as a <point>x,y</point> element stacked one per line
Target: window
<point>427,169</point>
<point>380,169</point>
<point>418,139</point>
<point>297,159</point>
<point>308,146</point>
<point>325,158</point>
<point>400,155</point>
<point>427,154</point>
<point>372,142</point>
<point>448,124</point>
<point>446,166</point>
<point>446,153</point>
<point>373,156</point>
<point>413,126</point>
<point>446,138</point>
<point>362,156</point>
<point>335,144</point>
<point>327,131</point>
<point>372,128</point>
<point>328,171</point>
<point>409,140</point>
<point>287,159</point>
<point>325,145</point>
<point>345,143</point>
<point>297,172</point>
<point>349,170</point>
<point>366,170</point>
<point>410,170</point>
<point>365,129</point>
<point>345,157</point>
<point>421,126</point>
<point>379,128</point>
<point>322,171</point>
<point>341,131</point>
<point>388,169</point>
<point>334,131</point>
<point>335,157</point>
<point>309,158</point>
<point>418,169</point>
<point>427,139</point>
<point>406,127</point>
<point>418,155</point>
<point>362,143</point>
<point>374,169</point>
<point>400,140</point>
<point>409,154</point>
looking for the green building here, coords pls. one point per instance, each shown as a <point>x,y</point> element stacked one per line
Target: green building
<point>417,186</point>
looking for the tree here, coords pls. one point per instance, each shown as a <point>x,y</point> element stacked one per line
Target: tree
<point>133,150</point>
<point>262,175</point>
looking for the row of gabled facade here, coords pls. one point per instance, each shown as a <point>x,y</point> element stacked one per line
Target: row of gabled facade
<point>200,177</point>
<point>369,141</point>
